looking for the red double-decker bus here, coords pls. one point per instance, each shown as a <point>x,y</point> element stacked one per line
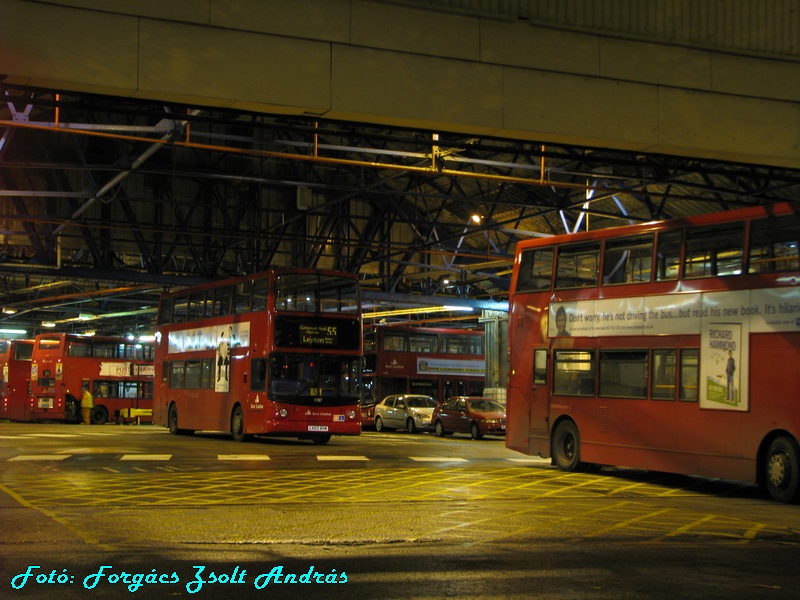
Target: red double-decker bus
<point>668,346</point>
<point>434,361</point>
<point>15,360</point>
<point>274,353</point>
<point>118,371</point>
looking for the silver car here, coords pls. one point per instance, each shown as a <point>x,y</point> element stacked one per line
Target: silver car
<point>411,412</point>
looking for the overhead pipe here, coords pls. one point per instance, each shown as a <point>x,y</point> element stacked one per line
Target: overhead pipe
<point>431,169</point>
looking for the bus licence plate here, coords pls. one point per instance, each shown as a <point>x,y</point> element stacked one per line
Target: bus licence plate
<point>45,403</point>
<point>318,428</point>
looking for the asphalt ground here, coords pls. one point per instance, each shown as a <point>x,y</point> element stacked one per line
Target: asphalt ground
<point>403,516</point>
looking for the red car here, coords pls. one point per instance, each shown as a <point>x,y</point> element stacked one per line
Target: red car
<point>368,414</point>
<point>465,414</point>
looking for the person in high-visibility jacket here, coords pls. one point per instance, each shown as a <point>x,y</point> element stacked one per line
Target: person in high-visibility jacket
<point>87,405</point>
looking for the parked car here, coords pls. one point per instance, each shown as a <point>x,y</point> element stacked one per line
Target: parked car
<point>368,413</point>
<point>411,412</point>
<point>465,414</point>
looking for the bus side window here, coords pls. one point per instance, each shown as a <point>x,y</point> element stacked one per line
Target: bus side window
<point>663,374</point>
<point>165,311</point>
<point>535,270</point>
<point>540,366</point>
<point>258,380</point>
<point>628,260</point>
<point>668,255</point>
<point>574,372</point>
<point>177,373</point>
<point>242,295</point>
<point>775,245</point>
<point>714,251</point>
<point>260,293</point>
<point>690,374</point>
<point>578,265</point>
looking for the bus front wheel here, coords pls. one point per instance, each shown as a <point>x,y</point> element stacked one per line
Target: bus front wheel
<point>567,447</point>
<point>172,420</point>
<point>782,474</point>
<point>237,425</point>
<point>172,423</point>
<point>320,439</point>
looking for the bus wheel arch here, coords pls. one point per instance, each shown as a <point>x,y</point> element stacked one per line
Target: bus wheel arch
<point>566,446</point>
<point>237,424</point>
<point>779,467</point>
<point>172,421</point>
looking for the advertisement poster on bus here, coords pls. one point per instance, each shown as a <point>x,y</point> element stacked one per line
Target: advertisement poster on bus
<point>220,338</point>
<point>724,321</point>
<point>445,366</point>
<point>720,361</point>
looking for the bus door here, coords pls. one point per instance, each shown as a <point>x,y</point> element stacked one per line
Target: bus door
<point>528,430</point>
<point>540,397</point>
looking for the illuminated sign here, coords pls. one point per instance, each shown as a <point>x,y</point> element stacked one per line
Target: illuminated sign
<point>318,335</point>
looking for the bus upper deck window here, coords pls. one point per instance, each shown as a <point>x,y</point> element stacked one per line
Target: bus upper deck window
<point>714,251</point>
<point>628,260</point>
<point>668,255</point>
<point>535,270</point>
<point>775,244</point>
<point>395,342</point>
<point>578,265</point>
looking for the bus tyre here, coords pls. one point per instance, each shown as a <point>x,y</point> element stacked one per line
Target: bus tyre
<point>782,473</point>
<point>567,447</point>
<point>100,415</point>
<point>172,420</point>
<point>378,424</point>
<point>475,431</point>
<point>237,425</point>
<point>321,439</point>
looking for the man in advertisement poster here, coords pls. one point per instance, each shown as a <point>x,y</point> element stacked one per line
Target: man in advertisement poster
<point>561,322</point>
<point>730,369</point>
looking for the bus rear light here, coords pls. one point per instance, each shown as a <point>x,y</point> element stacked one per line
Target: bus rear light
<point>283,413</point>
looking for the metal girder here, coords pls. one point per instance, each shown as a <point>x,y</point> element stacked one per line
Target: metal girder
<point>201,194</point>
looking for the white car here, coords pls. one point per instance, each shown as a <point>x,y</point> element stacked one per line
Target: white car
<point>411,412</point>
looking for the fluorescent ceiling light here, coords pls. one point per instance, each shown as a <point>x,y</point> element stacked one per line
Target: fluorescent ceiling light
<point>416,311</point>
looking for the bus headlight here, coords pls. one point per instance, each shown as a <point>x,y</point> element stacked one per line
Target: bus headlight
<point>283,413</point>
<point>352,414</point>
